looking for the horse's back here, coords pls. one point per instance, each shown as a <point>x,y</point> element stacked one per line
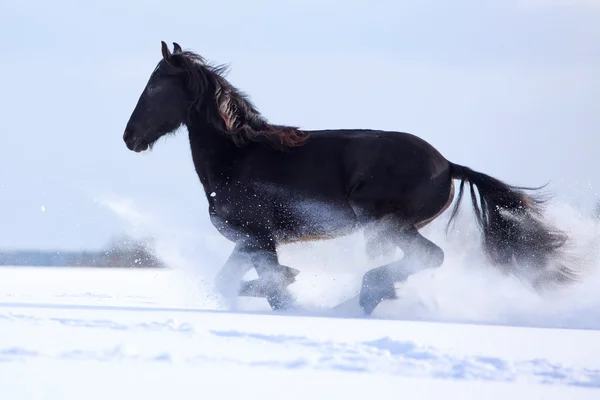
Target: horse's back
<point>380,152</point>
<point>395,141</point>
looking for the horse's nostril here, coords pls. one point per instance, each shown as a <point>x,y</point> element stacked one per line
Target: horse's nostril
<point>129,139</point>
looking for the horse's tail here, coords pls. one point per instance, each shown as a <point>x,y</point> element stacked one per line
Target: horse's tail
<point>514,233</point>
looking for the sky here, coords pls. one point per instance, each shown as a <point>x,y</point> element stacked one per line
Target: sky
<point>510,88</point>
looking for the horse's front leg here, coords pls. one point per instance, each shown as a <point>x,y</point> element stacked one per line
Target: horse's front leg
<point>273,277</point>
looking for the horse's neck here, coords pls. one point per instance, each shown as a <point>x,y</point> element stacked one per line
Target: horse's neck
<point>212,153</point>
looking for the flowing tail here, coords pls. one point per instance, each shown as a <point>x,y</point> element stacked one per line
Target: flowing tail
<point>515,236</point>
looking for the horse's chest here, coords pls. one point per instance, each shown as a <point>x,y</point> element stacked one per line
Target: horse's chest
<point>225,210</point>
<point>240,206</point>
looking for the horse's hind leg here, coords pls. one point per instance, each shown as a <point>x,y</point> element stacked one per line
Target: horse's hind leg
<point>419,253</point>
<point>377,240</point>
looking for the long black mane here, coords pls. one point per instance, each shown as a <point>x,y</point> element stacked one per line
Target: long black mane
<point>230,110</point>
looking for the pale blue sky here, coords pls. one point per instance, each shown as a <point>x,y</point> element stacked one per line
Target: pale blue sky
<point>478,79</point>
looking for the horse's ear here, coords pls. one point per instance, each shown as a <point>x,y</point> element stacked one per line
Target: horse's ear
<point>166,53</point>
<point>176,48</point>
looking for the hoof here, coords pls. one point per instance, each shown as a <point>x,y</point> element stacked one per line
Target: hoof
<point>368,306</point>
<point>289,275</point>
<point>262,286</point>
<point>281,300</point>
<point>377,286</point>
<point>279,297</point>
<point>369,301</point>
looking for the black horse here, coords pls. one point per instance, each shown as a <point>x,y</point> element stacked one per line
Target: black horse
<point>269,184</point>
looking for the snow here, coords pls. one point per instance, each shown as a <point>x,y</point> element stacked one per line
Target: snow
<point>462,331</point>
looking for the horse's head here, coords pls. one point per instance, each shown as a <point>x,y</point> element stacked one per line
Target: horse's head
<point>185,87</point>
<point>162,106</point>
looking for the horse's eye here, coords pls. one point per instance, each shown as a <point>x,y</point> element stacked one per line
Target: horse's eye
<point>152,89</point>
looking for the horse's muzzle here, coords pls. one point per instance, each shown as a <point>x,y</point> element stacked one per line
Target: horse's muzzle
<point>134,143</point>
<point>128,139</point>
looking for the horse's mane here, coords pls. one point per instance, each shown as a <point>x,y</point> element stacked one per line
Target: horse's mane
<point>236,116</point>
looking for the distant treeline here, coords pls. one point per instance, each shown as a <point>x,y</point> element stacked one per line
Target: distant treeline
<point>121,253</point>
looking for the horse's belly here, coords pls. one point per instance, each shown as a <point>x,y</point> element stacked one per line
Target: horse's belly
<point>308,221</point>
